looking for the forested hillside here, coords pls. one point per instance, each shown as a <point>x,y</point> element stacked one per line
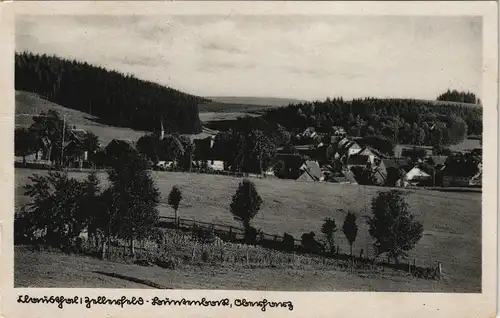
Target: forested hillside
<point>401,120</point>
<point>114,98</point>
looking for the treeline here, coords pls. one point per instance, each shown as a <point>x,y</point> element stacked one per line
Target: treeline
<point>460,97</point>
<point>401,120</point>
<point>115,98</point>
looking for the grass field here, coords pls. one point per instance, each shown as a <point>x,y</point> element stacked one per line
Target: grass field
<point>46,270</point>
<point>452,221</point>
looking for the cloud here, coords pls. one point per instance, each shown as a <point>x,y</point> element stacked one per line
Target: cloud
<point>298,57</point>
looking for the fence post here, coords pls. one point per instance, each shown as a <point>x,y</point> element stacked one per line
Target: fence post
<point>193,253</point>
<point>248,258</point>
<point>440,268</point>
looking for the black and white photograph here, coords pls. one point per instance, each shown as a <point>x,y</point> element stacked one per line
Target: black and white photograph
<point>250,152</point>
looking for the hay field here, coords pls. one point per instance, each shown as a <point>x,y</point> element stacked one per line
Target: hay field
<point>452,220</point>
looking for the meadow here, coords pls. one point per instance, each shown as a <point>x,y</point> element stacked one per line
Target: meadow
<point>452,220</point>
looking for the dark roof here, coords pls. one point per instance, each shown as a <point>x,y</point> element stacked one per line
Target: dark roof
<point>438,160</point>
<point>358,160</point>
<point>78,134</point>
<point>121,141</point>
<point>394,163</point>
<point>291,161</point>
<point>461,168</point>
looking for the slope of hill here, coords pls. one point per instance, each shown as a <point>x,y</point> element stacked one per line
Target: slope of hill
<point>30,104</point>
<point>117,99</point>
<point>452,220</point>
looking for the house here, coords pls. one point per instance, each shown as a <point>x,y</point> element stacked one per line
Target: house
<point>75,153</point>
<point>373,155</point>
<point>438,162</point>
<point>310,170</point>
<point>287,166</point>
<point>338,131</point>
<point>412,151</point>
<point>310,132</point>
<point>389,171</point>
<point>380,173</point>
<point>347,147</point>
<point>346,177</point>
<point>117,147</point>
<point>415,176</point>
<point>462,171</point>
<point>358,160</point>
<point>477,152</point>
<point>216,165</point>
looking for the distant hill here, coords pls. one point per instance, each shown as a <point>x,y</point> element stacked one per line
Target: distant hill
<point>117,99</point>
<point>259,101</point>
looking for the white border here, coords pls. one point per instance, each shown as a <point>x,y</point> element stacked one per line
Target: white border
<point>310,304</point>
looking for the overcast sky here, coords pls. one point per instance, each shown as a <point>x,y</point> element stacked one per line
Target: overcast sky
<point>287,56</point>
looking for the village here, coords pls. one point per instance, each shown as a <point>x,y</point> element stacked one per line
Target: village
<point>311,160</point>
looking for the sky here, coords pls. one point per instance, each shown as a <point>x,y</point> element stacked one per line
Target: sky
<point>303,57</point>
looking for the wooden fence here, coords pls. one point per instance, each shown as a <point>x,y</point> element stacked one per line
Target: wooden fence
<point>217,228</point>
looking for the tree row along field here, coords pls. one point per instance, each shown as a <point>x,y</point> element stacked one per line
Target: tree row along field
<point>452,221</point>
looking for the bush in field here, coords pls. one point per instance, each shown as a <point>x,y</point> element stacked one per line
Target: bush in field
<point>174,198</point>
<point>131,200</point>
<point>350,228</point>
<point>203,236</point>
<point>328,229</point>
<point>393,227</point>
<point>58,209</point>
<point>288,243</point>
<point>253,235</point>
<point>310,244</point>
<point>245,205</point>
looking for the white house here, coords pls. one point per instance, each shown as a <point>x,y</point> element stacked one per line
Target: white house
<point>217,165</point>
<point>414,176</point>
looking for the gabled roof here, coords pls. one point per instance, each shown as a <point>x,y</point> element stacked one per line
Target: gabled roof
<point>358,160</point>
<point>122,141</point>
<point>419,172</point>
<point>312,168</point>
<point>394,163</point>
<point>437,160</point>
<point>306,177</point>
<point>78,134</point>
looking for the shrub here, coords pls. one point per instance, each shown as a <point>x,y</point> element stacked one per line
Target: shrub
<point>288,242</point>
<point>205,256</point>
<point>309,243</point>
<point>56,211</point>
<point>328,229</point>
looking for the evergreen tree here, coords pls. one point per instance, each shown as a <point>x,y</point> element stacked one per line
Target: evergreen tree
<point>350,229</point>
<point>174,198</point>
